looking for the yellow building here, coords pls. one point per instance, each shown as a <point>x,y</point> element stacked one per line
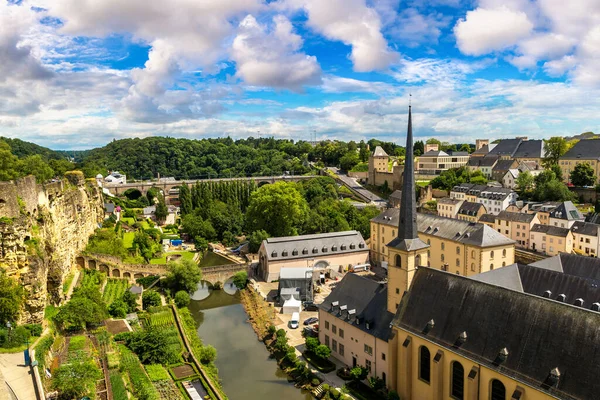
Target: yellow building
<point>584,151</point>
<point>516,226</point>
<point>551,240</point>
<point>435,162</point>
<point>585,236</point>
<point>471,212</point>
<point>447,207</point>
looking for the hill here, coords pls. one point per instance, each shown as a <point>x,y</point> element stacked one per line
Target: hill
<point>584,136</point>
<point>23,149</point>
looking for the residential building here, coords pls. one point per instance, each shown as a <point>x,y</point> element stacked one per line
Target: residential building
<point>519,149</point>
<point>516,226</point>
<point>550,240</point>
<point>354,323</point>
<point>585,235</point>
<point>336,250</point>
<point>435,162</point>
<point>565,215</point>
<point>542,210</point>
<point>484,164</point>
<point>584,151</point>
<point>489,220</point>
<point>116,178</point>
<point>471,212</point>
<point>502,167</point>
<point>495,199</point>
<point>509,180</point>
<point>447,207</point>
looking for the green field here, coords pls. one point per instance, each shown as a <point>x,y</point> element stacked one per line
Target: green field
<point>185,255</point>
<point>128,220</point>
<point>114,289</point>
<point>128,239</point>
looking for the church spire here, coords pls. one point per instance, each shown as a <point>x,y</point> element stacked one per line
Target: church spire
<point>407,224</point>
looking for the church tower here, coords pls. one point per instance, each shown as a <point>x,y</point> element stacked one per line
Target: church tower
<point>406,251</point>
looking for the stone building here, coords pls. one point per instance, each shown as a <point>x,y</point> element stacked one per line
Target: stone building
<point>471,212</point>
<point>380,171</point>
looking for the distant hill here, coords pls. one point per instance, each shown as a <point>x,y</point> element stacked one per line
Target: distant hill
<point>22,149</point>
<point>583,136</point>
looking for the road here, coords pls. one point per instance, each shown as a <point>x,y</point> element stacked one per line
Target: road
<point>17,375</point>
<point>354,185</point>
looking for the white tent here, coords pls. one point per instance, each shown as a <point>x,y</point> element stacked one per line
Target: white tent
<point>291,306</point>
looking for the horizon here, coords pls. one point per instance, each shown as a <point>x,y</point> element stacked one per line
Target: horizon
<point>76,77</point>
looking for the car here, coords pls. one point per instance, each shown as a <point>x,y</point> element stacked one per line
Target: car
<point>309,332</point>
<point>294,321</point>
<point>311,320</point>
<point>310,306</point>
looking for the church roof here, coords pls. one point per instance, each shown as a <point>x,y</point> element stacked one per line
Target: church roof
<point>539,334</point>
<point>365,302</point>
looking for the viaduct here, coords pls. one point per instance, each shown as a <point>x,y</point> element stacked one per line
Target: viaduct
<point>165,186</point>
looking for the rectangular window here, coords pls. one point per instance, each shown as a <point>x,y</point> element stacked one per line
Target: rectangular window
<point>334,345</point>
<point>368,350</point>
<point>333,328</point>
<point>341,350</point>
<point>383,356</point>
<point>341,333</point>
<point>551,240</point>
<point>587,240</point>
<point>368,365</point>
<point>326,340</point>
<point>326,324</point>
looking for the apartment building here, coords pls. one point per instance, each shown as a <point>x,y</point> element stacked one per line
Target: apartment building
<point>447,207</point>
<point>471,212</point>
<point>551,240</point>
<point>565,214</point>
<point>516,226</point>
<point>585,236</point>
<point>495,199</point>
<point>435,162</point>
<point>584,151</point>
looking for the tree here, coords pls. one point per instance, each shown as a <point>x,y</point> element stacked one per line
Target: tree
<point>434,141</point>
<point>400,151</point>
<point>197,227</point>
<point>418,148</point>
<point>11,299</point>
<point>150,298</point>
<point>525,181</point>
<point>8,163</point>
<point>322,351</point>
<point>118,309</point>
<point>240,279</point>
<point>256,239</point>
<point>208,354</point>
<point>185,200</point>
<point>557,171</point>
<point>278,209</point>
<point>61,166</point>
<point>555,147</point>
<point>76,379</point>
<point>363,154</point>
<point>130,299</point>
<point>35,165</point>
<point>161,211</point>
<point>183,275</point>
<point>152,346</point>
<point>349,160</point>
<point>358,373</point>
<point>200,244</point>
<point>144,245</point>
<point>81,312</point>
<point>311,344</point>
<point>182,299</point>
<point>465,147</point>
<point>583,175</point>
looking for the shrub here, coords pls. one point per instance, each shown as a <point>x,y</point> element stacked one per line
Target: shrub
<point>280,333</point>
<point>117,309</point>
<point>393,395</point>
<point>150,298</point>
<point>17,337</point>
<point>208,354</point>
<point>75,380</point>
<point>315,382</point>
<point>322,351</point>
<point>182,299</point>
<point>272,329</point>
<point>34,329</point>
<point>312,344</point>
<point>325,387</point>
<point>240,279</point>
<point>358,373</point>
<point>281,344</point>
<point>153,346</point>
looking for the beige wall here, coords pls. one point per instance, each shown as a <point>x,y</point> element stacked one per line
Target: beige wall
<point>271,269</point>
<point>472,218</point>
<point>448,210</point>
<point>466,261</point>
<point>354,341</point>
<point>517,231</point>
<point>551,245</point>
<point>411,387</point>
<point>379,163</point>
<point>440,163</point>
<point>585,244</point>
<point>567,166</point>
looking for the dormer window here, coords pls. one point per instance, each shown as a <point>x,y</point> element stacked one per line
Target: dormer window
<point>284,253</point>
<point>305,251</point>
<point>324,249</point>
<point>334,248</point>
<point>352,246</point>
<point>361,245</point>
<point>343,247</point>
<point>294,252</point>
<point>274,254</point>
<point>315,250</point>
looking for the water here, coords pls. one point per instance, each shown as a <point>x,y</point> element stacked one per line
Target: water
<point>211,259</point>
<point>244,365</point>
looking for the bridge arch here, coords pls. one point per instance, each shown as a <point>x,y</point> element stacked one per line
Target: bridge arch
<point>321,264</point>
<point>92,264</point>
<point>80,262</point>
<point>104,268</point>
<point>126,275</point>
<point>116,273</point>
<point>263,183</point>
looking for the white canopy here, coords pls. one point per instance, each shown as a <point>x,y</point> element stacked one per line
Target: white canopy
<point>291,306</point>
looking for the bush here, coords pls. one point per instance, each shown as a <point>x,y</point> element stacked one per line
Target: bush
<point>240,279</point>
<point>315,382</point>
<point>323,365</point>
<point>182,299</point>
<point>117,309</point>
<point>34,329</point>
<point>150,298</point>
<point>358,373</point>
<point>153,346</point>
<point>322,351</point>
<point>280,333</point>
<point>312,344</point>
<point>393,395</point>
<point>17,337</point>
<point>208,354</point>
<point>272,329</point>
<point>76,380</point>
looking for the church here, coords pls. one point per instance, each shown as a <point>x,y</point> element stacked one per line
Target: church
<point>436,331</point>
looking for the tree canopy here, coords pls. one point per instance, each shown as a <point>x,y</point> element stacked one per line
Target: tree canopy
<point>583,175</point>
<point>11,299</point>
<point>183,275</point>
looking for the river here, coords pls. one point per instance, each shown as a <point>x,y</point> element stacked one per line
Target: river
<point>244,365</point>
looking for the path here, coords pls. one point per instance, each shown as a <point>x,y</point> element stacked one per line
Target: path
<point>17,375</point>
<point>354,185</point>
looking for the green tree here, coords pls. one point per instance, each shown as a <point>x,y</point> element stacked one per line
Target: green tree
<point>240,279</point>
<point>11,298</point>
<point>434,141</point>
<point>363,154</point>
<point>8,163</point>
<point>161,211</point>
<point>183,275</point>
<point>35,165</point>
<point>525,181</point>
<point>130,300</point>
<point>278,209</point>
<point>185,200</point>
<point>197,227</point>
<point>150,298</point>
<point>153,346</point>
<point>358,373</point>
<point>311,344</point>
<point>349,160</point>
<point>208,354</point>
<point>418,148</point>
<point>256,239</point>
<point>118,309</point>
<point>200,244</point>
<point>583,175</point>
<point>322,351</point>
<point>61,166</point>
<point>555,147</point>
<point>76,379</point>
<point>465,147</point>
<point>144,245</point>
<point>182,299</point>
<point>81,312</point>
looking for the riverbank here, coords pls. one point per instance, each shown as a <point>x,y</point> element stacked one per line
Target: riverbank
<point>260,314</point>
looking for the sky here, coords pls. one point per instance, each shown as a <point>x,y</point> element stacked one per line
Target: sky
<point>76,74</point>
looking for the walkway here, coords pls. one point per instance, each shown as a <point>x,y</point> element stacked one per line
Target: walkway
<point>355,186</point>
<point>17,375</point>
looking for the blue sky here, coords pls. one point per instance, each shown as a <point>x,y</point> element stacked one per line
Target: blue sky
<point>76,74</point>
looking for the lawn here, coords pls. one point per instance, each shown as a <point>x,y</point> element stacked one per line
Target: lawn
<point>185,255</point>
<point>128,220</point>
<point>128,239</point>
<point>423,183</point>
<point>68,281</point>
<point>145,224</point>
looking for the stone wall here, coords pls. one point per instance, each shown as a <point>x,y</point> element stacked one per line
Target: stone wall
<point>41,238</point>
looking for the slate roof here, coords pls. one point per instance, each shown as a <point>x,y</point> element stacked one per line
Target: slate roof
<point>109,208</point>
<point>448,200</point>
<point>298,247</point>
<point>584,149</point>
<point>530,149</point>
<point>449,228</point>
<point>547,206</point>
<point>491,218</point>
<point>593,218</point>
<point>585,228</point>
<point>539,334</point>
<point>550,230</point>
<point>506,147</point>
<point>515,217</point>
<point>435,153</point>
<point>567,211</point>
<point>572,264</point>
<point>369,301</point>
<point>469,208</point>
<point>396,195</point>
<point>487,161</point>
<point>458,153</point>
<point>503,165</point>
<point>484,149</point>
<point>379,152</point>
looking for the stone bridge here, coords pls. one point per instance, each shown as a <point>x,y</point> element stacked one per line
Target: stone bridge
<point>143,187</point>
<point>113,267</point>
<point>221,273</point>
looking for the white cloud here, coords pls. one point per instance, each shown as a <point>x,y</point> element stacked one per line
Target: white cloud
<point>486,30</point>
<point>338,84</point>
<point>353,23</point>
<point>445,72</point>
<point>413,28</point>
<point>273,58</point>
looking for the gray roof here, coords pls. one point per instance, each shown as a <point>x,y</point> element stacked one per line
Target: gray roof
<point>448,200</point>
<point>507,277</point>
<point>298,247</point>
<point>547,206</point>
<point>539,334</point>
<point>136,289</point>
<point>470,208</point>
<point>550,230</point>
<point>487,161</point>
<point>506,147</point>
<point>503,165</point>
<point>593,218</point>
<point>379,152</point>
<point>295,273</point>
<point>491,218</point>
<point>515,216</point>
<point>483,191</point>
<point>369,301</point>
<point>484,149</point>
<point>450,228</point>
<point>109,208</point>
<point>435,153</point>
<point>396,194</point>
<point>458,153</point>
<point>567,211</point>
<point>585,228</point>
<point>572,264</point>
<point>530,149</point>
<point>584,149</point>
<point>514,172</point>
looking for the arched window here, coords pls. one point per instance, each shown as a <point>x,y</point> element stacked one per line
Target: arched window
<point>424,364</point>
<point>429,241</point>
<point>457,249</point>
<point>428,264</point>
<point>491,266</point>
<point>393,233</point>
<point>418,260</point>
<point>504,253</point>
<point>492,254</point>
<point>457,387</point>
<point>504,263</point>
<point>442,257</point>
<point>398,261</point>
<point>472,253</point>
<point>458,262</point>
<point>443,246</point>
<point>497,390</point>
<point>473,267</point>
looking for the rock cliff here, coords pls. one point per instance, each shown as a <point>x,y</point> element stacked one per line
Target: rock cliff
<point>43,228</point>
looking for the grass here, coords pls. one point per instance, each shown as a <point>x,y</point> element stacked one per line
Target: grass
<point>119,391</point>
<point>157,372</point>
<point>185,255</point>
<point>128,220</point>
<point>128,239</point>
<point>145,225</point>
<point>67,283</point>
<point>114,290</point>
<point>360,167</point>
<point>142,386</point>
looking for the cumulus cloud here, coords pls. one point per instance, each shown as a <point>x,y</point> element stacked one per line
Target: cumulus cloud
<point>412,27</point>
<point>486,30</point>
<point>353,23</point>
<point>338,84</point>
<point>273,58</point>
